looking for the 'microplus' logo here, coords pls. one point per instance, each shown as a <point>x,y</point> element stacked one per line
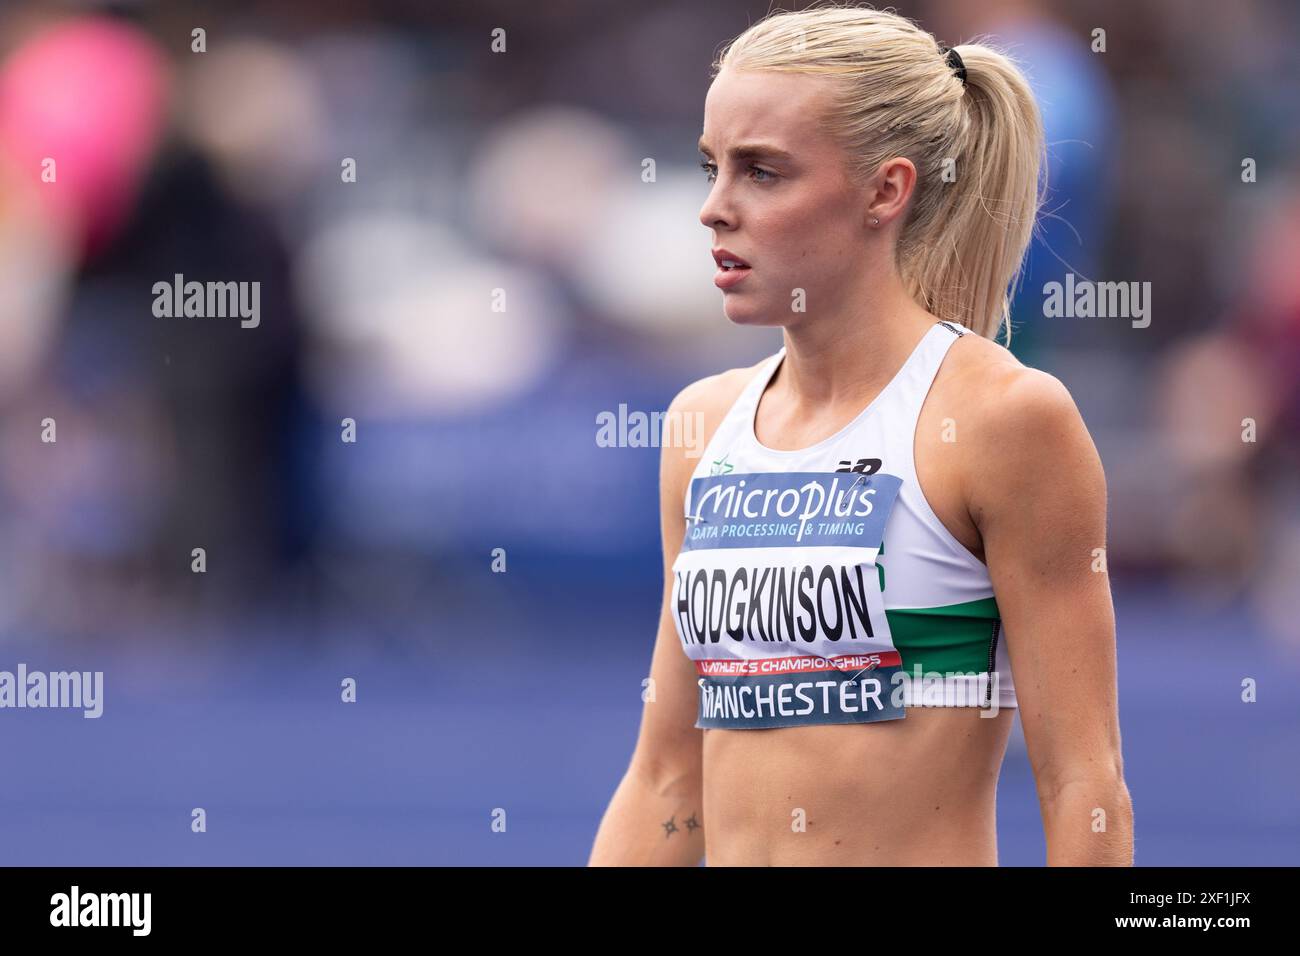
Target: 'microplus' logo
<point>814,498</point>
<point>779,509</point>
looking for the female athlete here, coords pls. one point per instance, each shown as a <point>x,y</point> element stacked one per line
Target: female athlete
<point>894,539</point>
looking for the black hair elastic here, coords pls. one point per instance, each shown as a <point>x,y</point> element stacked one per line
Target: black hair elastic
<point>955,62</point>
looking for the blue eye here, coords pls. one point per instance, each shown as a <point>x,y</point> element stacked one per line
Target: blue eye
<point>712,173</point>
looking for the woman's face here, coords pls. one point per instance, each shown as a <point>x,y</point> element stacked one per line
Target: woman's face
<point>780,198</point>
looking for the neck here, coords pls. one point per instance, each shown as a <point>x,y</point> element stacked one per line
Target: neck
<point>849,353</point>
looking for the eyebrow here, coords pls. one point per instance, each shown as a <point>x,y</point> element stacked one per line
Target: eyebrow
<point>750,151</point>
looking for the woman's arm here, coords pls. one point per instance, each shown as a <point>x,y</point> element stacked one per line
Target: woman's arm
<point>1037,493</point>
<point>656,816</point>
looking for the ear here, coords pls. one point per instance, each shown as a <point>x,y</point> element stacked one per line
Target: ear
<point>890,190</point>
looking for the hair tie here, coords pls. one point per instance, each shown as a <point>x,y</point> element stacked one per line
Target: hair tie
<point>954,62</point>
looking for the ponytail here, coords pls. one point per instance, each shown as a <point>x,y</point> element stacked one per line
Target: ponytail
<point>963,259</point>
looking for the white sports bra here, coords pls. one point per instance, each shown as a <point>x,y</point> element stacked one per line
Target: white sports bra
<point>817,586</point>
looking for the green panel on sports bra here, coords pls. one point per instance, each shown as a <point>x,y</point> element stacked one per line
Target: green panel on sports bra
<point>956,638</point>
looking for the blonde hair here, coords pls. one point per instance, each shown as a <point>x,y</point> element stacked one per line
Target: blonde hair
<point>962,245</point>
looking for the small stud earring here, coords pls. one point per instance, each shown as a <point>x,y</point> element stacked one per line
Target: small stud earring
<point>875,221</point>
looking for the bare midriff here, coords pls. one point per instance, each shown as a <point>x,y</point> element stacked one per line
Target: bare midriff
<point>920,791</point>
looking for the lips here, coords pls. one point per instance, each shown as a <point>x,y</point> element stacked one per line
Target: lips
<point>726,259</point>
<point>731,268</point>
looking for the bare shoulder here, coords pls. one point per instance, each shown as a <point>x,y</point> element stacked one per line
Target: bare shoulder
<point>714,395</point>
<point>1003,398</point>
<point>709,398</point>
<point>1025,427</point>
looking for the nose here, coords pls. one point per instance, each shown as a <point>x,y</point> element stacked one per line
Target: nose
<point>717,213</point>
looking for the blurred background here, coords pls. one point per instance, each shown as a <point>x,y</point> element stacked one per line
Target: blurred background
<point>522,171</point>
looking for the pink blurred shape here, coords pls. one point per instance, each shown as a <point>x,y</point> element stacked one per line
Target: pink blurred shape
<point>90,94</point>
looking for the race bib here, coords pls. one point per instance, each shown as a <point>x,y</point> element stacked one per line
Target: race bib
<point>777,599</point>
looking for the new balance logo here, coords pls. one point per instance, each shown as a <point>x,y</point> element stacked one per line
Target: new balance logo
<point>865,466</point>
